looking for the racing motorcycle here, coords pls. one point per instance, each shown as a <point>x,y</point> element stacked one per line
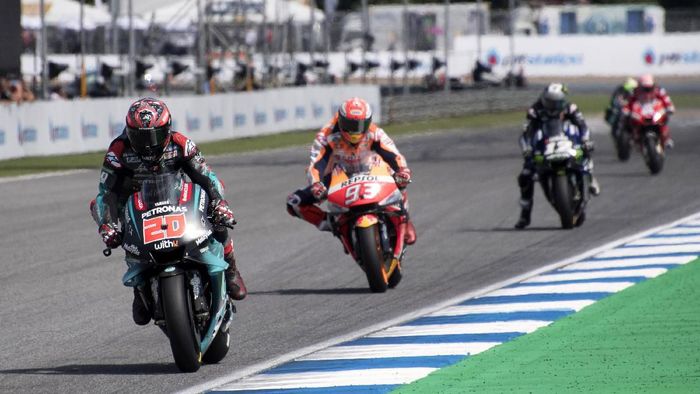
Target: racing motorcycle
<point>621,137</point>
<point>645,122</point>
<point>559,163</point>
<point>167,229</point>
<point>366,211</point>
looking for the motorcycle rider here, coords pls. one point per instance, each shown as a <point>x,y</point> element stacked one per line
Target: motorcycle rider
<point>146,146</point>
<point>343,140</point>
<point>619,98</point>
<point>648,90</point>
<point>551,103</point>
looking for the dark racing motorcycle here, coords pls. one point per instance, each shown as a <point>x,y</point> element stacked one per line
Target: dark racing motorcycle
<point>560,169</point>
<point>167,229</point>
<point>621,136</point>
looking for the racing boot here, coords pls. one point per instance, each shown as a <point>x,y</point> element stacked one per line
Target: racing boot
<point>139,311</point>
<point>594,186</point>
<point>235,287</point>
<point>525,211</point>
<point>409,233</point>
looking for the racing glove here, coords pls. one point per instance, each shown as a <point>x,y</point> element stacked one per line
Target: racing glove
<point>402,177</point>
<point>222,214</point>
<point>319,191</point>
<point>110,235</point>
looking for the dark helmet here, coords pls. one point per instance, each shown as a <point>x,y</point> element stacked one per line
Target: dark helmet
<point>553,99</point>
<point>354,119</point>
<point>148,128</point>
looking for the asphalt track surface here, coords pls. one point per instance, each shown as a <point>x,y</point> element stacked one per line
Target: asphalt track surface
<point>65,318</point>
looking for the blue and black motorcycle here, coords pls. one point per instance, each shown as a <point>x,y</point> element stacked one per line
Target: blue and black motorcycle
<point>560,165</point>
<point>181,268</point>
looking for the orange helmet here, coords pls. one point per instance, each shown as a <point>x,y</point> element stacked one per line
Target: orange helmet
<point>646,83</point>
<point>354,118</point>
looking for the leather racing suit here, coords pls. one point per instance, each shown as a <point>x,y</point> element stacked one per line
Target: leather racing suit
<point>122,173</point>
<point>330,148</point>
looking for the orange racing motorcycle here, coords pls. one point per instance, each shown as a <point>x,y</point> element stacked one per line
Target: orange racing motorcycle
<point>367,215</point>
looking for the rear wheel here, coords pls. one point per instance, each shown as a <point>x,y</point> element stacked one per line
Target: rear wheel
<point>179,323</point>
<point>371,256</point>
<point>562,200</point>
<point>653,153</point>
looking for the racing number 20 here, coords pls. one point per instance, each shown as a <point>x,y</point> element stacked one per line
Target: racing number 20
<point>153,229</point>
<point>368,191</point>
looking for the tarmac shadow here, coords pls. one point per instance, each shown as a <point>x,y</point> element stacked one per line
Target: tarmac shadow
<point>99,369</point>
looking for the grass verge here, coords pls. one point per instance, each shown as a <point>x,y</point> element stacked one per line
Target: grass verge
<point>589,103</point>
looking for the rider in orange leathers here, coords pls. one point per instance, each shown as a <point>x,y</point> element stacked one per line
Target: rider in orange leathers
<point>343,140</point>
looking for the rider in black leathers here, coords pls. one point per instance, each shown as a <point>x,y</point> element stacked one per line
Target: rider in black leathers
<point>148,146</point>
<point>551,103</point>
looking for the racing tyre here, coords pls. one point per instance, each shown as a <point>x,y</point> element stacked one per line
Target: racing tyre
<point>371,256</point>
<point>562,200</point>
<point>179,323</point>
<point>218,348</point>
<point>653,153</point>
<point>623,145</point>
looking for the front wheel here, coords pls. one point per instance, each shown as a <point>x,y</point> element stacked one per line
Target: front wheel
<point>563,201</point>
<point>653,153</point>
<point>371,256</point>
<point>218,348</point>
<point>179,323</point>
<point>623,144</point>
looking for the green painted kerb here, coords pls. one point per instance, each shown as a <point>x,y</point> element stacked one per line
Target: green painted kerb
<point>643,339</point>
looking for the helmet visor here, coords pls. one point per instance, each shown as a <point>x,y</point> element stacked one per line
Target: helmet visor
<point>354,126</point>
<point>147,141</point>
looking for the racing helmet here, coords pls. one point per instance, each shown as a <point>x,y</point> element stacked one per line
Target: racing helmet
<point>553,99</point>
<point>354,119</point>
<point>148,128</point>
<point>646,83</point>
<point>630,84</point>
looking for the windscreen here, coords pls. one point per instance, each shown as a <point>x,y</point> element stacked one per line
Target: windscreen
<point>161,188</point>
<point>552,127</point>
<point>362,163</point>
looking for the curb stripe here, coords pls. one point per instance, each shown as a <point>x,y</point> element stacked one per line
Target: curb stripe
<point>447,338</point>
<point>514,307</point>
<point>379,389</point>
<point>488,317</point>
<point>387,362</point>
<point>410,348</point>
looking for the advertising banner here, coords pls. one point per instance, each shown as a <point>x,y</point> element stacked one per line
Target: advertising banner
<point>580,55</point>
<point>57,127</point>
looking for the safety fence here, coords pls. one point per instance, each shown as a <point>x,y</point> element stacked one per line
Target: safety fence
<point>403,108</point>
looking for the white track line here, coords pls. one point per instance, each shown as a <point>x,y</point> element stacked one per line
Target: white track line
<point>41,175</point>
<point>665,241</point>
<point>259,367</point>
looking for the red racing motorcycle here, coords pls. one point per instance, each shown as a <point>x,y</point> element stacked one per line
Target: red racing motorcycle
<point>366,210</point>
<point>646,119</point>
